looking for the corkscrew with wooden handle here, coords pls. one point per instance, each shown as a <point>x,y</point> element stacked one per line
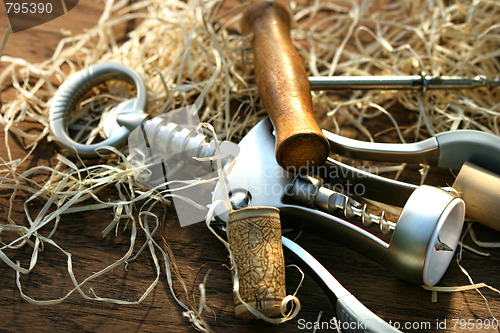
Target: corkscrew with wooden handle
<point>284,87</point>
<point>285,90</point>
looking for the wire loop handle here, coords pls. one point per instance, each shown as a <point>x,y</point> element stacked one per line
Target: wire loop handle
<point>73,89</point>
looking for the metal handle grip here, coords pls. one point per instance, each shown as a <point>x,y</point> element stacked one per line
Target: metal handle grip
<point>73,89</point>
<point>349,310</point>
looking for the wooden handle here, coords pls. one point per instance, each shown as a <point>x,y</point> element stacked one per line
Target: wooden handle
<point>284,87</point>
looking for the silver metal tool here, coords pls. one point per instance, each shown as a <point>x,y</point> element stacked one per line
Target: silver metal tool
<point>427,228</point>
<point>445,150</point>
<point>353,316</point>
<point>256,179</point>
<point>449,149</point>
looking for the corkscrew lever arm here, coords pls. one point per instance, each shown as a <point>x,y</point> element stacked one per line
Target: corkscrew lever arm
<point>474,154</point>
<point>349,309</point>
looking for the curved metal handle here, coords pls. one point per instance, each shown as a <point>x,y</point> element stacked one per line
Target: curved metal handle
<point>349,309</point>
<point>448,150</point>
<point>458,147</point>
<point>73,89</point>
<point>426,151</point>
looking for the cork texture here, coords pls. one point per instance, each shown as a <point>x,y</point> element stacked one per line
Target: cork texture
<point>255,240</point>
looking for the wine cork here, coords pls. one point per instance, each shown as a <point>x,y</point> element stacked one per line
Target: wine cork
<point>255,240</point>
<point>480,190</point>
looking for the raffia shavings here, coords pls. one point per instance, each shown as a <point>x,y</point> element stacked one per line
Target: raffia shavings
<point>475,286</point>
<point>190,52</point>
<point>471,286</point>
<point>481,243</point>
<point>320,314</point>
<point>474,250</point>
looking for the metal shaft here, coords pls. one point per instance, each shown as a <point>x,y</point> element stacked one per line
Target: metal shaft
<point>310,192</point>
<point>411,82</point>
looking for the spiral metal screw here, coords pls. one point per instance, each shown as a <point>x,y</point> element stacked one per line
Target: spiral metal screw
<point>170,139</point>
<point>333,201</point>
<point>310,192</point>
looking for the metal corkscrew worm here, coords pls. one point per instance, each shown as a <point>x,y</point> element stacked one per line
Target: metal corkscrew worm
<point>310,192</point>
<point>166,139</point>
<point>170,137</point>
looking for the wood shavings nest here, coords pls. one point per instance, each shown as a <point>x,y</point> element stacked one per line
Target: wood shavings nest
<point>192,53</point>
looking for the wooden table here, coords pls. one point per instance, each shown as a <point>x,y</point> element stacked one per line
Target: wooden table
<point>197,252</point>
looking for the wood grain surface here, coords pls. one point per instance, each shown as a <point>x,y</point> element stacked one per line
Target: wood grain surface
<point>197,252</point>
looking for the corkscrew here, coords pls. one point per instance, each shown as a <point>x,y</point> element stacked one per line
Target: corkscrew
<point>127,122</point>
<point>310,192</point>
<point>423,238</point>
<point>159,140</point>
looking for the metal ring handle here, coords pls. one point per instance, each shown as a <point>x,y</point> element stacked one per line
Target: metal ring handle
<point>73,89</point>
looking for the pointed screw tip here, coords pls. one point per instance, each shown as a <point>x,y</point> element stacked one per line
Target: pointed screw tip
<point>441,246</point>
